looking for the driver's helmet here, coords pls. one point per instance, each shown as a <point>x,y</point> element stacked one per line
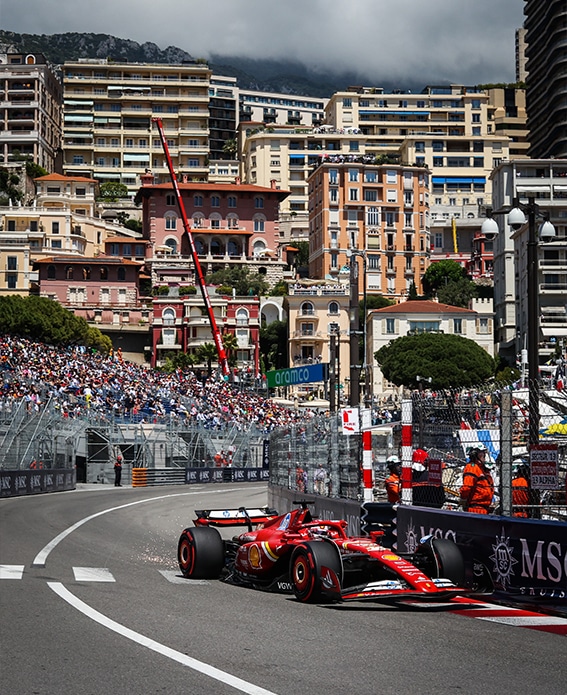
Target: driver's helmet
<point>320,531</point>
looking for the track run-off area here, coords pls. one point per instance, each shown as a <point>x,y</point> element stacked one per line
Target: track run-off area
<point>92,601</point>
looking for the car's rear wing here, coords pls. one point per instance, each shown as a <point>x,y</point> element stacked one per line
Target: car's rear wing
<point>234,517</point>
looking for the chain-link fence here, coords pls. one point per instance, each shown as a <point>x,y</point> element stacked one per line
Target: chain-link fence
<point>318,458</point>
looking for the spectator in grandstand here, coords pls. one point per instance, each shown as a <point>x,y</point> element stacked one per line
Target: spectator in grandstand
<point>393,482</point>
<point>477,490</point>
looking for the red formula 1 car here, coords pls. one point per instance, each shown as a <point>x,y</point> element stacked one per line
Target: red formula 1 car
<point>315,559</point>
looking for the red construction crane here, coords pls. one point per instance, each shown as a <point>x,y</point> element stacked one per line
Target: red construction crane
<point>223,361</point>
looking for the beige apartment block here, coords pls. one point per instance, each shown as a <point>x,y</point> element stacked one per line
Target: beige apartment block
<point>379,210</point>
<point>315,311</point>
<point>107,120</point>
<point>62,220</point>
<point>30,110</point>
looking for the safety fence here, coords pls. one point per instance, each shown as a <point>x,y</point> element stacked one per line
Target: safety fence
<point>319,458</point>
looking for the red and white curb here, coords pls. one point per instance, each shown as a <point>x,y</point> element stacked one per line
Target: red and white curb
<point>511,616</point>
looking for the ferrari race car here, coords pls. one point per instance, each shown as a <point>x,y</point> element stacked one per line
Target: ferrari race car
<point>315,559</point>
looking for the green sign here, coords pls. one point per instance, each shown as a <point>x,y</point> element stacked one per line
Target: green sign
<point>297,375</point>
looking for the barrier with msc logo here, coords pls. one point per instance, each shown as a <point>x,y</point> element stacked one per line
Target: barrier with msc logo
<point>149,477</point>
<point>14,483</point>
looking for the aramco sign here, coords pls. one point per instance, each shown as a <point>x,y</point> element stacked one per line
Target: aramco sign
<point>297,375</point>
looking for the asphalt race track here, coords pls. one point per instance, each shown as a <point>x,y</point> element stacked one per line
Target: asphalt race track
<point>92,603</point>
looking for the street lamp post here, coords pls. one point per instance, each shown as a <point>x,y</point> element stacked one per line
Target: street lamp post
<point>355,330</point>
<point>517,219</point>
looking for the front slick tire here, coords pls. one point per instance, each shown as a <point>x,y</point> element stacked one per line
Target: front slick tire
<point>200,553</point>
<point>316,572</point>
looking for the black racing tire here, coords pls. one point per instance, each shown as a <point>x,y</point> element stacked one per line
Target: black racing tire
<point>200,553</point>
<point>446,560</point>
<point>308,564</point>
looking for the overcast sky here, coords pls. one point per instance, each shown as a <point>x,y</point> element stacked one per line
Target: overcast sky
<point>459,41</point>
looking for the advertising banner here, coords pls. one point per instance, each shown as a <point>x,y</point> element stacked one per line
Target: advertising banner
<point>24,482</point>
<point>544,466</point>
<point>525,557</point>
<point>226,475</point>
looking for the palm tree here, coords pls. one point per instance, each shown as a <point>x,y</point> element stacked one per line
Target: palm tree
<point>207,352</point>
<point>230,343</point>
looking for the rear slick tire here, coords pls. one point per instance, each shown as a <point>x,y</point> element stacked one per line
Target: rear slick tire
<point>200,553</point>
<point>316,572</point>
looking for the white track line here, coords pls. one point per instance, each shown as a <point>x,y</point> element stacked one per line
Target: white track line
<point>41,558</point>
<point>237,683</point>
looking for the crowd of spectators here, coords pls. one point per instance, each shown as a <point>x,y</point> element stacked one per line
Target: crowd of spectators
<point>81,383</point>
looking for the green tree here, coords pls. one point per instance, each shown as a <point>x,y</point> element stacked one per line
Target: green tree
<point>440,273</point>
<point>112,191</point>
<point>181,360</point>
<point>230,148</point>
<point>302,257</point>
<point>207,352</point>
<point>457,292</point>
<point>9,190</point>
<point>241,280</point>
<point>46,321</point>
<point>273,345</point>
<point>133,224</point>
<point>450,360</point>
<point>230,344</point>
<point>279,289</point>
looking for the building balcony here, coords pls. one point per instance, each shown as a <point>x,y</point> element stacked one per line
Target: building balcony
<point>309,336</point>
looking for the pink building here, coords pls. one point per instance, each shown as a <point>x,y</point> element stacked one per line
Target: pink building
<point>229,222</point>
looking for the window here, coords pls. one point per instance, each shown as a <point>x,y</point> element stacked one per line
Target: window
<point>353,175</point>
<point>373,216</point>
<point>370,177</point>
<point>11,281</point>
<point>198,201</point>
<point>424,326</point>
<point>420,146</point>
<point>258,203</point>
<point>231,201</point>
<point>333,195</point>
<point>215,201</point>
<point>333,176</point>
<point>12,263</point>
<point>347,103</point>
<point>392,195</point>
<point>78,159</point>
<point>242,317</point>
<point>370,195</point>
<point>307,329</point>
<point>121,275</point>
<point>391,176</point>
<point>438,146</point>
<point>437,161</point>
<point>438,240</point>
<point>307,309</point>
<point>56,244</point>
<point>483,326</point>
<point>103,272</point>
<point>458,326</point>
<point>170,199</point>
<point>259,224</point>
<point>390,326</point>
<point>171,221</point>
<point>333,308</point>
<point>353,194</point>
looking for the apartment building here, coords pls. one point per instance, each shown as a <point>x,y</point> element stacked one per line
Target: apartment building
<point>272,108</point>
<point>30,110</point>
<point>63,219</point>
<point>231,224</point>
<point>546,37</point>
<point>107,120</point>
<point>315,311</point>
<point>546,181</point>
<point>179,325</point>
<point>381,210</point>
<point>223,104</point>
